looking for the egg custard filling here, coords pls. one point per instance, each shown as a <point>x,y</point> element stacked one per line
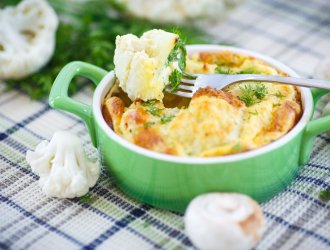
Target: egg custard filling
<point>242,117</point>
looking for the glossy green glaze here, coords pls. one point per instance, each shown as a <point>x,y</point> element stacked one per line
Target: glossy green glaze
<point>166,183</point>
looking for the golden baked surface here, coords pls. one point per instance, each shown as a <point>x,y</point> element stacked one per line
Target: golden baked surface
<point>243,117</point>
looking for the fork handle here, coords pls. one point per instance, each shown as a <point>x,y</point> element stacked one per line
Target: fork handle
<point>303,82</point>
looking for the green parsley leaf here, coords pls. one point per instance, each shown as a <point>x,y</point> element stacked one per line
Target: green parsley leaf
<point>148,124</point>
<point>254,113</point>
<point>151,108</point>
<point>278,94</point>
<point>175,79</point>
<point>165,119</point>
<point>154,111</point>
<point>251,70</point>
<point>224,71</point>
<point>178,54</point>
<point>150,102</point>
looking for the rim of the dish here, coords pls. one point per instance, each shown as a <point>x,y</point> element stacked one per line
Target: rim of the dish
<point>306,98</point>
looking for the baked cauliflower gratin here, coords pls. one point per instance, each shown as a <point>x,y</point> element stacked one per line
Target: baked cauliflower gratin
<point>242,117</point>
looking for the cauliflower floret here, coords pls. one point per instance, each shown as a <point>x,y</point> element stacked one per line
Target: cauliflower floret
<point>27,38</point>
<point>141,64</point>
<point>178,11</point>
<point>64,170</point>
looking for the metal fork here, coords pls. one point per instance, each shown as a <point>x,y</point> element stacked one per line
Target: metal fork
<point>190,83</point>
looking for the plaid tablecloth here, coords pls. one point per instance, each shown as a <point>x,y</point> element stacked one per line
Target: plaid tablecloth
<point>294,32</point>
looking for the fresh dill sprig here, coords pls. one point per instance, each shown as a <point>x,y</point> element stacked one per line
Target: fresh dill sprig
<point>250,70</point>
<point>166,118</point>
<point>155,111</point>
<point>221,69</point>
<point>247,95</point>
<point>252,94</point>
<point>148,124</point>
<point>226,71</point>
<point>151,108</point>
<point>278,94</point>
<point>260,91</point>
<point>254,112</point>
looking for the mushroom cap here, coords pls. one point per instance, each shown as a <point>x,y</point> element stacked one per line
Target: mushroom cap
<point>64,169</point>
<point>27,38</point>
<point>228,221</point>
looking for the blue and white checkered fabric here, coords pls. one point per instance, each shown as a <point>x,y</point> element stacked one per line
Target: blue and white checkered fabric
<point>294,32</point>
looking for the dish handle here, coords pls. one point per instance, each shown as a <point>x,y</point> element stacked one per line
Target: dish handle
<point>59,98</point>
<point>313,128</point>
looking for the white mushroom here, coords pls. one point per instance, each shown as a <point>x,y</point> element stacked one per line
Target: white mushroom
<point>64,169</point>
<point>27,38</point>
<point>227,221</point>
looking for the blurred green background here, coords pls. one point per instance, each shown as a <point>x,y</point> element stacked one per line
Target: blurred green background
<point>87,32</point>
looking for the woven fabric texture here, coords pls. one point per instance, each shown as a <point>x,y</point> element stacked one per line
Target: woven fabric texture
<point>294,32</point>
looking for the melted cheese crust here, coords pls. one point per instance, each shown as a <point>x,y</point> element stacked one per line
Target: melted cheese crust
<point>215,122</point>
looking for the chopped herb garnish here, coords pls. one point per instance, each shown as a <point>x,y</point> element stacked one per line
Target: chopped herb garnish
<point>175,79</point>
<point>250,70</point>
<point>238,147</point>
<point>225,71</point>
<point>278,94</point>
<point>165,119</point>
<point>150,102</point>
<point>260,91</point>
<point>152,109</point>
<point>324,195</point>
<point>148,124</point>
<point>252,94</point>
<point>247,95</point>
<point>254,113</point>
<point>178,54</point>
<point>220,69</point>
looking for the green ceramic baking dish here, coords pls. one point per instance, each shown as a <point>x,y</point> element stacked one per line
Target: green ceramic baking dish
<point>170,182</point>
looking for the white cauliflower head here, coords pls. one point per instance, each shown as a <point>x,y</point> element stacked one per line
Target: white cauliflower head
<point>177,11</point>
<point>228,221</point>
<point>27,38</point>
<point>64,169</point>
